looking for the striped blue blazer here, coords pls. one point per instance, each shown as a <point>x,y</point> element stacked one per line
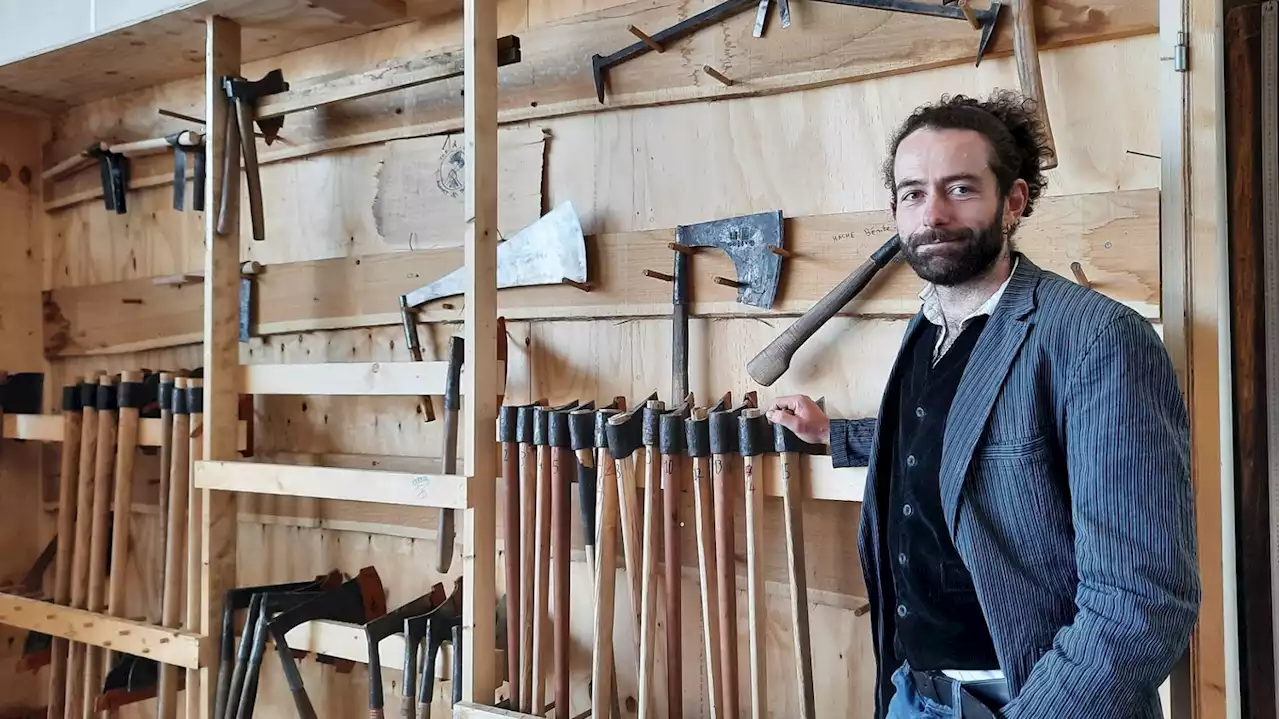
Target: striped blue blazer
<point>1066,485</point>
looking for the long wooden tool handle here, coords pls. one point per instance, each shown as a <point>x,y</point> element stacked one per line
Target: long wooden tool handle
<point>104,468</point>
<point>252,181</point>
<point>84,531</point>
<point>767,366</point>
<point>166,458</point>
<point>754,484</point>
<point>629,519</point>
<point>793,512</point>
<point>228,211</point>
<point>708,580</point>
<point>175,546</point>
<point>72,421</point>
<point>649,580</point>
<point>528,523</point>
<point>1026,54</point>
<point>446,530</point>
<point>130,403</point>
<point>671,544</point>
<point>541,590</point>
<point>728,583</point>
<point>563,469</point>
<point>446,526</point>
<point>602,673</point>
<point>195,510</point>
<point>511,536</point>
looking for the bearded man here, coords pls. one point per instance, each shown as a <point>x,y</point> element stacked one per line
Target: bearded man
<point>1027,533</point>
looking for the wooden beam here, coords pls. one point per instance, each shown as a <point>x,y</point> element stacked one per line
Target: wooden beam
<point>221,309</point>
<point>479,421</point>
<point>387,77</point>
<point>169,646</point>
<point>347,641</point>
<point>366,12</point>
<point>469,710</point>
<point>1114,236</point>
<point>394,379</point>
<point>48,428</point>
<point>358,485</point>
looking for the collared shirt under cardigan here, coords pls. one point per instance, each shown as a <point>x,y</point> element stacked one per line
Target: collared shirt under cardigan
<point>1065,486</point>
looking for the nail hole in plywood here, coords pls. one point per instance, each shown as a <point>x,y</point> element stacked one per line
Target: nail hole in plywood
<point>24,175</point>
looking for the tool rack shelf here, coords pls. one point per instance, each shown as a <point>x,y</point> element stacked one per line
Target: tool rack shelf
<point>170,646</point>
<point>231,33</point>
<point>48,428</point>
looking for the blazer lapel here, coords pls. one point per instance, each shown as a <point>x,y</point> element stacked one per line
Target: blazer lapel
<point>983,379</point>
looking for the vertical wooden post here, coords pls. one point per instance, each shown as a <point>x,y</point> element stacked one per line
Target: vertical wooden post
<point>221,342</point>
<point>480,380</point>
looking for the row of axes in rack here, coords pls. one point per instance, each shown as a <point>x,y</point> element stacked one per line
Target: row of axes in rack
<point>101,420</point>
<point>704,444</point>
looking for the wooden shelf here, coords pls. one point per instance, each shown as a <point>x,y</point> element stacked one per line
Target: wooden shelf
<point>48,428</point>
<point>169,646</point>
<point>358,485</point>
<point>165,48</point>
<point>404,379</point>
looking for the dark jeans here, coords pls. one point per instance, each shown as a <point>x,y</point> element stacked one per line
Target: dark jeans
<point>908,703</point>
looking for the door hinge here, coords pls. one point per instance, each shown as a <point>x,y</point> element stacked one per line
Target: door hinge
<point>1180,54</point>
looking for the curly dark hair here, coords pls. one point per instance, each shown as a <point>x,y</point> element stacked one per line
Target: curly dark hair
<point>1011,125</point>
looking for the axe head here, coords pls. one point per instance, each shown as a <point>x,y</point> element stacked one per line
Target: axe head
<point>747,240</point>
<point>548,252</point>
<point>989,20</point>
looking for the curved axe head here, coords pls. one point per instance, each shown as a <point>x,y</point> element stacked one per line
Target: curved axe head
<point>548,252</point>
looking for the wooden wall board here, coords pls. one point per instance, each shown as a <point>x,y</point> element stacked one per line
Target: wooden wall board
<point>164,48</point>
<point>1115,237</point>
<point>21,250</point>
<point>364,201</point>
<point>832,44</point>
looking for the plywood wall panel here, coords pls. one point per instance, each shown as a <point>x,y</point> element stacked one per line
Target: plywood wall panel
<point>820,151</point>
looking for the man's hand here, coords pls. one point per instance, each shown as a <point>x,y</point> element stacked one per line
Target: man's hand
<point>802,416</point>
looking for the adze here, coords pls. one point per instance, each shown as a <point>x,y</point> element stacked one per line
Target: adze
<point>244,684</point>
<point>386,625</point>
<point>355,602</point>
<point>415,630</point>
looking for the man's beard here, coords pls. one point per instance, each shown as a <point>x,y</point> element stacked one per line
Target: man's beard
<point>974,252</point>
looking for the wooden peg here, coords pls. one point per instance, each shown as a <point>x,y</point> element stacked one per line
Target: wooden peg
<point>970,15</point>
<point>1081,277</point>
<point>717,75</point>
<point>781,252</point>
<point>681,249</point>
<point>653,44</point>
<point>584,286</point>
<point>725,281</point>
<point>659,275</point>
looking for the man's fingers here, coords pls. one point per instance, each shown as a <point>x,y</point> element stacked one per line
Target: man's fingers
<point>789,403</point>
<point>784,418</point>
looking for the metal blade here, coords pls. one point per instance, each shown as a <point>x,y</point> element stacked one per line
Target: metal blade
<point>784,12</point>
<point>762,13</point>
<point>547,252</point>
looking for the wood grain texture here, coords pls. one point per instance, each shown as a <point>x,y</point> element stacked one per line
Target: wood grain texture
<point>163,49</point>
<point>833,45</point>
<point>1114,236</point>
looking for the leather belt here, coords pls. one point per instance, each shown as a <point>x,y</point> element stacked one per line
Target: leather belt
<point>942,689</point>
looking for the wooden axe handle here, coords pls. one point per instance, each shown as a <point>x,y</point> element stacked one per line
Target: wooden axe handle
<point>767,366</point>
<point>1026,54</point>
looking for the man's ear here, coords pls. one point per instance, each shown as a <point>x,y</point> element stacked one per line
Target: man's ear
<point>1015,203</point>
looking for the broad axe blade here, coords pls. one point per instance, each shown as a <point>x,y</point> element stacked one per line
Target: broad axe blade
<point>746,240</point>
<point>547,252</point>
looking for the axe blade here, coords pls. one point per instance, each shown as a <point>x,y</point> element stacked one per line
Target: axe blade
<point>547,252</point>
<point>746,240</point>
<point>988,30</point>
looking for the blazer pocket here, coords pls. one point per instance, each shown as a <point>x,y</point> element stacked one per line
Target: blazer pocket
<point>1014,449</point>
